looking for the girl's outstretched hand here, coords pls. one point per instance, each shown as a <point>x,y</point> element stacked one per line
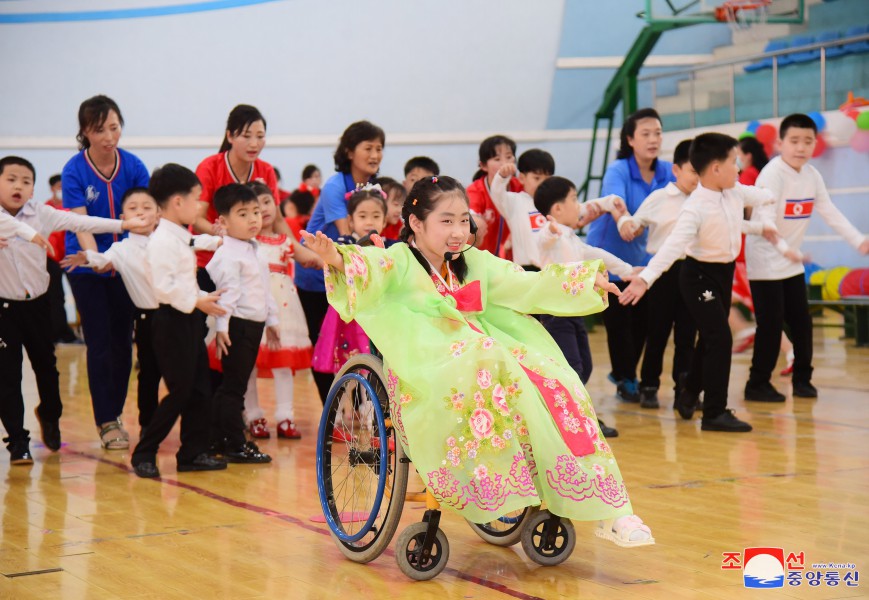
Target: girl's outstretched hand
<point>321,245</point>
<point>602,282</point>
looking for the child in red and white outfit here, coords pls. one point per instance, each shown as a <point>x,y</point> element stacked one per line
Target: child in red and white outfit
<point>295,352</point>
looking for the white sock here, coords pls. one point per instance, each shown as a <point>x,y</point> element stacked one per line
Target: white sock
<point>252,411</point>
<point>283,394</point>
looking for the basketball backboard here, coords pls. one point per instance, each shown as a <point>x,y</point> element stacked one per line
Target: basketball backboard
<point>687,12</point>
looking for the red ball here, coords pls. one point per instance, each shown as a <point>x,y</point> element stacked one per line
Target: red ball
<point>766,134</point>
<point>820,147</point>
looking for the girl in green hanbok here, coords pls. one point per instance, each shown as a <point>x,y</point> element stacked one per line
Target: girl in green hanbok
<point>482,399</point>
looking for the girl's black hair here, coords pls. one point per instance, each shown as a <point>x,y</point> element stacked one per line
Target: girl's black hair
<point>630,127</point>
<point>309,171</point>
<point>240,118</point>
<point>489,149</point>
<point>260,188</point>
<point>355,134</point>
<point>303,200</point>
<point>753,147</point>
<point>92,113</point>
<point>420,202</point>
<point>359,196</point>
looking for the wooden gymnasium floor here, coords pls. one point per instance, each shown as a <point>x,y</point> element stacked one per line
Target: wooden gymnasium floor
<point>800,481</point>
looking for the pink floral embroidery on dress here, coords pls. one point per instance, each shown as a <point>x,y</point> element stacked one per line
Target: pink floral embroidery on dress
<point>569,480</point>
<point>482,423</point>
<point>487,491</point>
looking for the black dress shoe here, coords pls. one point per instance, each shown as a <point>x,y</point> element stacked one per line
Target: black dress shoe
<point>19,450</point>
<point>203,462</point>
<point>249,453</point>
<point>804,389</point>
<point>610,432</point>
<point>50,432</point>
<point>762,392</point>
<point>146,470</point>
<point>649,397</point>
<point>686,403</point>
<point>726,421</point>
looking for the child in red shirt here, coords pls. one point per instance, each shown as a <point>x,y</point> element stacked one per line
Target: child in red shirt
<point>493,232</point>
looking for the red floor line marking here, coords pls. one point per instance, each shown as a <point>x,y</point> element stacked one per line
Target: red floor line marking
<point>295,521</point>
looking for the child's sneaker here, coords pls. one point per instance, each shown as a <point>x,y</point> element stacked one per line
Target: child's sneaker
<point>259,428</point>
<point>19,450</point>
<point>287,430</point>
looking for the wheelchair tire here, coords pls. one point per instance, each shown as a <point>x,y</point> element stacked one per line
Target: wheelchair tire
<point>504,531</point>
<point>408,553</point>
<point>544,542</point>
<point>380,509</point>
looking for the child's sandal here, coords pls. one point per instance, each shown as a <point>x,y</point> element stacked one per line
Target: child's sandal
<point>114,437</point>
<point>259,429</point>
<point>627,532</point>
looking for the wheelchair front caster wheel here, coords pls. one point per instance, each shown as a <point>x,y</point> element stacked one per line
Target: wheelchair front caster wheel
<point>548,540</point>
<point>412,558</point>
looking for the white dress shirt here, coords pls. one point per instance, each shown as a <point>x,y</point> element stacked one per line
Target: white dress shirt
<point>170,265</point>
<point>243,276</point>
<point>566,247</point>
<point>23,274</point>
<point>798,194</point>
<point>658,213</point>
<point>11,227</point>
<point>709,226</point>
<point>128,257</point>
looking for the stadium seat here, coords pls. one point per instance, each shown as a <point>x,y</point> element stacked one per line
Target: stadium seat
<point>857,47</point>
<point>830,36</point>
<point>766,63</point>
<point>801,57</point>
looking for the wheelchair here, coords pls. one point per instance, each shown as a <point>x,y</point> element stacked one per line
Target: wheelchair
<point>362,475</point>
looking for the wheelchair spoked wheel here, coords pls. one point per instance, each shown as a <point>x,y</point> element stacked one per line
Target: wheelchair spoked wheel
<point>361,466</point>
<point>547,539</point>
<point>411,556</point>
<point>505,530</point>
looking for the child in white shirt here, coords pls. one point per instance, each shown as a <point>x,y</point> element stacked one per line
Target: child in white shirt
<point>659,212</point>
<point>778,288</point>
<point>178,330</point>
<point>24,304</point>
<point>244,276</point>
<point>555,199</point>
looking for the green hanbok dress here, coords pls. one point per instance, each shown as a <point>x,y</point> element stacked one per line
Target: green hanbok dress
<point>483,401</point>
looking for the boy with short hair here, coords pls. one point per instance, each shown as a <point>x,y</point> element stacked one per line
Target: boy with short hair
<point>128,257</point>
<point>249,308</point>
<point>659,212</point>
<point>518,208</point>
<point>178,329</point>
<point>556,200</point>
<point>708,232</point>
<point>24,305</point>
<point>778,287</point>
<point>419,167</point>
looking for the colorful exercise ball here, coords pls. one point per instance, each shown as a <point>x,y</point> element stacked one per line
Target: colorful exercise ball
<point>766,133</point>
<point>863,120</point>
<point>860,141</point>
<point>818,118</point>
<point>752,126</point>
<point>840,128</point>
<point>745,134</point>
<point>820,146</point>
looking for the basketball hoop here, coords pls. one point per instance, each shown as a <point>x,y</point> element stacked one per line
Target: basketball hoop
<point>743,14</point>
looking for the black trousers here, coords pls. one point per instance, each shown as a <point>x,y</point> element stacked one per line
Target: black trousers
<point>183,360</point>
<point>315,306</point>
<point>706,290</point>
<point>572,338</point>
<point>667,312</point>
<point>625,334</point>
<point>203,279</point>
<point>107,323</point>
<point>776,303</point>
<point>245,337</point>
<point>26,324</point>
<point>60,330</point>
<point>149,369</point>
